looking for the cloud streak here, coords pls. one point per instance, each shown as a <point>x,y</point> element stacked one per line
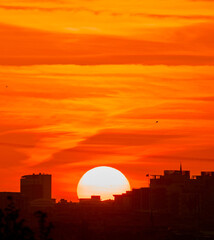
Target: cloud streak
<point>113,14</point>
<point>90,83</point>
<point>49,9</point>
<point>35,47</point>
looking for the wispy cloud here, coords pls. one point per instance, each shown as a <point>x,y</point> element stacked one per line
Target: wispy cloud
<point>107,12</point>
<point>80,49</point>
<point>173,16</point>
<point>90,83</point>
<point>50,9</point>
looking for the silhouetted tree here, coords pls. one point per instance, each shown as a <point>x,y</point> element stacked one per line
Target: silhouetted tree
<point>11,226</point>
<point>44,227</point>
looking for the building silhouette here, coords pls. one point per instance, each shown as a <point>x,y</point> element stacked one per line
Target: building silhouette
<point>90,201</point>
<point>176,194</point>
<point>18,199</point>
<point>36,186</point>
<point>168,191</point>
<point>176,205</point>
<point>137,199</point>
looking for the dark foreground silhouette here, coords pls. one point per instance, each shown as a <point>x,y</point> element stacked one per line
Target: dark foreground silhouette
<point>175,206</point>
<point>13,227</point>
<point>100,221</point>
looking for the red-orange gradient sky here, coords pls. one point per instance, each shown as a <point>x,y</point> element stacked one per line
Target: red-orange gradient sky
<point>82,84</point>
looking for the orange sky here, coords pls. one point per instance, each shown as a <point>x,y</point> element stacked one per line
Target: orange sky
<point>82,84</point>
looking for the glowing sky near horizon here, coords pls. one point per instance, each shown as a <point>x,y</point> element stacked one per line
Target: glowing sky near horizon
<point>82,84</point>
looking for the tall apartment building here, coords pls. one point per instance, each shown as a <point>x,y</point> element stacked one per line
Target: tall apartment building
<point>36,186</point>
<point>174,193</point>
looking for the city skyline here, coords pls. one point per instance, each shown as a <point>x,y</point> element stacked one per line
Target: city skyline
<point>106,119</point>
<point>39,186</point>
<point>174,206</point>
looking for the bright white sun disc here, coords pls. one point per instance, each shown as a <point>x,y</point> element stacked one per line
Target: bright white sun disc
<point>102,181</point>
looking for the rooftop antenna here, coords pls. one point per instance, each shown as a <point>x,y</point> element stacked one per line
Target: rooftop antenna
<point>180,167</point>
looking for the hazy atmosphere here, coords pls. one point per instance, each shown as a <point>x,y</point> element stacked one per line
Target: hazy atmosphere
<point>126,84</point>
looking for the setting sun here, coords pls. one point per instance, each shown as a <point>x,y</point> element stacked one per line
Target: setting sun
<point>102,181</point>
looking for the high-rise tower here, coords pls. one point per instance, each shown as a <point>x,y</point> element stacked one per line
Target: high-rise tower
<point>36,186</point>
